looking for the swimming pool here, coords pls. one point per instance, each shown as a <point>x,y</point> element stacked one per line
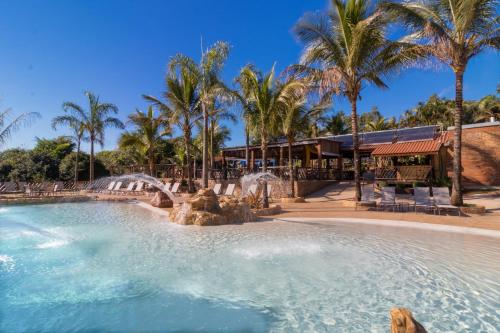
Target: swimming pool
<point>99,267</point>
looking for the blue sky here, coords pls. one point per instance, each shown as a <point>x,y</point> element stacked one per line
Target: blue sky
<point>51,51</point>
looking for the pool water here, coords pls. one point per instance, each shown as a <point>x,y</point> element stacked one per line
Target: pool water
<point>100,267</point>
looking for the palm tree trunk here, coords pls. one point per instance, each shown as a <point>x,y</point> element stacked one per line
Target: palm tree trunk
<point>290,168</point>
<point>187,140</point>
<point>247,148</point>
<point>91,176</point>
<point>76,159</point>
<point>151,161</point>
<point>456,193</point>
<point>265,199</point>
<point>204,172</point>
<point>355,146</point>
<point>212,145</point>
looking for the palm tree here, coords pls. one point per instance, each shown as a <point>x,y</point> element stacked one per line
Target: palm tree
<point>269,98</point>
<point>337,124</point>
<point>248,111</point>
<point>453,32</point>
<point>181,102</point>
<point>94,120</point>
<point>346,49</point>
<point>211,87</point>
<point>379,124</point>
<point>7,128</point>
<point>488,108</point>
<point>148,136</point>
<point>217,114</point>
<point>78,127</point>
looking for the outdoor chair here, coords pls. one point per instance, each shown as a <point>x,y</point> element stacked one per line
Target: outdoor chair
<point>217,188</point>
<point>367,194</point>
<point>422,198</point>
<point>139,188</point>
<point>110,188</point>
<point>269,191</point>
<point>388,198</point>
<point>167,186</point>
<point>442,200</point>
<point>175,188</point>
<point>117,188</point>
<point>230,190</point>
<point>129,188</point>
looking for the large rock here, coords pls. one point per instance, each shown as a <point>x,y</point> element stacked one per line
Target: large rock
<point>161,200</point>
<point>205,200</point>
<point>204,209</point>
<point>402,321</point>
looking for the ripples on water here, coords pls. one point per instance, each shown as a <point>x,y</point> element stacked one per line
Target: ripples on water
<point>117,267</point>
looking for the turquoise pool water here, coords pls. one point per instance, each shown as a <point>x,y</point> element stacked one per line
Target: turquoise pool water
<point>97,267</point>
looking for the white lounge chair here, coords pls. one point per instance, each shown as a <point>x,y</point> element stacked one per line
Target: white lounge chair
<point>110,188</point>
<point>117,187</point>
<point>367,195</point>
<point>422,198</point>
<point>230,189</point>
<point>129,188</point>
<point>166,187</point>
<point>388,198</point>
<point>442,200</point>
<point>140,187</point>
<point>217,188</point>
<point>175,188</point>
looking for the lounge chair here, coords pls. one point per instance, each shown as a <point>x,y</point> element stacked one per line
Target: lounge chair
<point>442,200</point>
<point>217,188</point>
<point>129,188</point>
<point>139,188</point>
<point>167,186</point>
<point>230,190</point>
<point>175,188</point>
<point>367,195</point>
<point>422,198</point>
<point>110,188</point>
<point>388,198</point>
<point>117,187</point>
<point>8,187</point>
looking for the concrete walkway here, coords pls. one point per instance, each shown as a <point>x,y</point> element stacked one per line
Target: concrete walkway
<point>335,192</point>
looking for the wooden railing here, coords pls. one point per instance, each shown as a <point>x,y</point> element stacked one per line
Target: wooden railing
<point>404,173</point>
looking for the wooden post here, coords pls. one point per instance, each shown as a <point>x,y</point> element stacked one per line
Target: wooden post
<point>320,157</point>
<point>282,163</point>
<point>252,160</point>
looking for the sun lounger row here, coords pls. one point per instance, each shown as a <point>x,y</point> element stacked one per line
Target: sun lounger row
<point>229,189</point>
<point>440,201</point>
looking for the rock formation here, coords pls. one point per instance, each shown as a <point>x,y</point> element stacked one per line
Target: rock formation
<point>402,321</point>
<point>161,200</point>
<point>204,209</point>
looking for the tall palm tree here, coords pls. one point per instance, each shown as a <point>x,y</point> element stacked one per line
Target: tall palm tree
<point>453,32</point>
<point>150,129</point>
<point>78,128</point>
<point>337,124</point>
<point>269,98</point>
<point>8,127</point>
<point>216,114</point>
<point>181,102</point>
<point>347,48</point>
<point>488,108</point>
<point>248,111</point>
<point>95,120</point>
<point>211,87</point>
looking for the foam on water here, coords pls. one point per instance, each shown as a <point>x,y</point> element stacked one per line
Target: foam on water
<point>276,250</point>
<point>52,244</point>
<point>7,262</point>
<point>3,210</point>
